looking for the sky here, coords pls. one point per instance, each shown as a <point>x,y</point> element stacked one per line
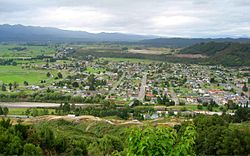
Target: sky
<point>169,18</point>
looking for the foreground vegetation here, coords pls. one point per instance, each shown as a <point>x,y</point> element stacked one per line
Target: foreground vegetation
<point>206,135</point>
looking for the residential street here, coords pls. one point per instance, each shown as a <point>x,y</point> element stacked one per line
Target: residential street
<point>115,85</point>
<point>141,94</point>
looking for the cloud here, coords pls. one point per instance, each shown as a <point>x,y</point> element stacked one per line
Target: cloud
<point>183,18</point>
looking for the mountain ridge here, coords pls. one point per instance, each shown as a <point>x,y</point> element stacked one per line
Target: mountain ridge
<point>20,33</point>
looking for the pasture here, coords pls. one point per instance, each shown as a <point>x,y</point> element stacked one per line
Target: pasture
<point>10,74</point>
<point>24,51</point>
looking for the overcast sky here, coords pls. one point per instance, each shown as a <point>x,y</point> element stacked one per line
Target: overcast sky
<point>172,18</point>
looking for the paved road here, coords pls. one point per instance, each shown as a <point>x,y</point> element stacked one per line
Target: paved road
<point>112,90</point>
<point>17,116</point>
<point>36,104</point>
<point>141,94</point>
<point>174,96</point>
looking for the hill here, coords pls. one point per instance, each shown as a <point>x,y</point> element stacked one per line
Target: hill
<point>225,53</point>
<point>185,42</point>
<point>20,33</point>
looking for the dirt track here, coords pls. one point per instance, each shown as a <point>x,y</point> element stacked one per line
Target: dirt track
<point>78,119</point>
<point>92,120</point>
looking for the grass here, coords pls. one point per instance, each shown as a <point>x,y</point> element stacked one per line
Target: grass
<point>95,70</point>
<point>31,51</point>
<point>192,107</point>
<point>10,74</point>
<point>21,111</point>
<point>17,111</point>
<point>187,107</point>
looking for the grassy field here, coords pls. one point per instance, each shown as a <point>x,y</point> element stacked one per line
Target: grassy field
<point>191,107</point>
<point>10,74</point>
<point>95,70</point>
<point>8,51</point>
<point>21,111</point>
<point>187,107</point>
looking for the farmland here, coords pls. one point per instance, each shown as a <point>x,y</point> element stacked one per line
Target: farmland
<point>25,51</point>
<point>10,74</point>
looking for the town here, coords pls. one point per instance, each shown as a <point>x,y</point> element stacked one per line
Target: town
<point>186,88</point>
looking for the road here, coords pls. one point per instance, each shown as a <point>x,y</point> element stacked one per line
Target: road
<point>174,96</point>
<point>17,116</point>
<point>112,90</point>
<point>37,104</point>
<point>141,94</point>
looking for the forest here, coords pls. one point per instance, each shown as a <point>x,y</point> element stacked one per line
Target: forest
<point>225,53</point>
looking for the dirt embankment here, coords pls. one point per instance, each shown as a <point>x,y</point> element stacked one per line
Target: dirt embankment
<point>90,119</point>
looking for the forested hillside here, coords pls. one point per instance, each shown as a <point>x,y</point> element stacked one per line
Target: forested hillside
<point>185,42</point>
<point>226,53</point>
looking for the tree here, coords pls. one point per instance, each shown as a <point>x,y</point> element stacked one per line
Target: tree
<point>137,102</point>
<point>105,145</point>
<point>15,85</point>
<point>66,107</point>
<point>4,87</point>
<point>5,111</point>
<point>13,146</point>
<point>10,86</point>
<point>75,84</point>
<point>161,141</point>
<point>200,107</point>
<point>47,137</point>
<point>25,83</point>
<point>30,150</point>
<point>242,114</point>
<point>48,74</point>
<point>34,112</point>
<point>60,76</point>
<point>214,137</point>
<point>210,107</point>
<point>27,112</point>
<point>245,88</point>
<point>1,111</point>
<point>212,80</point>
<point>5,123</point>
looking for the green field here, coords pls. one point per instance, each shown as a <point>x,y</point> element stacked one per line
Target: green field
<point>10,74</point>
<point>21,111</point>
<point>191,107</point>
<point>95,70</point>
<point>8,51</point>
